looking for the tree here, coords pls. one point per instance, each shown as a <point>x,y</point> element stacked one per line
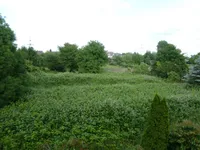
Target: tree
<point>156,134</point>
<point>92,57</point>
<point>31,56</point>
<point>12,67</point>
<point>116,60</point>
<point>68,54</point>
<point>193,58</point>
<point>127,60</point>
<point>169,59</point>
<point>53,61</point>
<point>137,58</point>
<point>149,57</point>
<point>194,76</point>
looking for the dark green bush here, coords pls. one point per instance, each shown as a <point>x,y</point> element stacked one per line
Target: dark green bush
<point>156,134</point>
<point>194,76</point>
<point>13,76</point>
<point>184,136</point>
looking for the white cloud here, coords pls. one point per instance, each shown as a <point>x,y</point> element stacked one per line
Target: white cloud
<point>121,25</point>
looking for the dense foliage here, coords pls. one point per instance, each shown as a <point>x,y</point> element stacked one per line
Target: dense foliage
<point>194,76</point>
<point>105,111</point>
<point>12,67</point>
<point>68,55</point>
<point>52,60</point>
<point>127,59</point>
<point>156,134</point>
<point>92,57</point>
<point>184,135</point>
<point>169,59</point>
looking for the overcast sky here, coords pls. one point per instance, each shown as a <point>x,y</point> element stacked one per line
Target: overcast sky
<point>121,25</point>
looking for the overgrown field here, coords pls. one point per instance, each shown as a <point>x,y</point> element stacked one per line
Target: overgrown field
<point>108,111</point>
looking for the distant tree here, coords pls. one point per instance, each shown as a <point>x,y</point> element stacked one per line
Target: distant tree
<point>149,57</point>
<point>156,134</point>
<point>92,57</point>
<point>169,59</point>
<point>137,58</point>
<point>127,60</point>
<point>68,54</point>
<point>53,61</point>
<point>30,55</point>
<point>12,67</point>
<point>193,58</point>
<point>194,75</point>
<point>116,60</point>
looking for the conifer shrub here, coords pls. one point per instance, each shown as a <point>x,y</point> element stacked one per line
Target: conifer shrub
<point>194,76</point>
<point>156,134</point>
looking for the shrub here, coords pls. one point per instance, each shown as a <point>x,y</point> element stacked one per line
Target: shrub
<point>141,69</point>
<point>185,135</point>
<point>194,76</point>
<point>156,134</point>
<point>173,76</point>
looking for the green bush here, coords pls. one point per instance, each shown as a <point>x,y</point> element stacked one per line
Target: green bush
<point>173,76</point>
<point>184,136</point>
<point>156,134</point>
<point>13,78</point>
<point>194,76</point>
<point>141,69</point>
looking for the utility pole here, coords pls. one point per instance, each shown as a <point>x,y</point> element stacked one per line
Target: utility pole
<point>30,44</point>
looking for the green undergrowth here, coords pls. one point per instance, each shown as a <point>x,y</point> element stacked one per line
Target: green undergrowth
<point>90,111</point>
<point>55,79</point>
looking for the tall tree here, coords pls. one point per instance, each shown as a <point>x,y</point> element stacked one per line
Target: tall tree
<point>92,57</point>
<point>156,134</point>
<point>68,54</point>
<point>12,66</point>
<point>53,61</point>
<point>169,59</point>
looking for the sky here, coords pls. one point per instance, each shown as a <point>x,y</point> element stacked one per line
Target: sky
<point>120,25</point>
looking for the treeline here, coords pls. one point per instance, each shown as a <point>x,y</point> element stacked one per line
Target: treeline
<point>88,59</point>
<point>168,62</point>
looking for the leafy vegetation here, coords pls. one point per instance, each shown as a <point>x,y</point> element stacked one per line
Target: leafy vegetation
<point>184,135</point>
<point>96,111</point>
<point>156,134</point>
<point>92,57</point>
<point>90,110</point>
<point>12,67</point>
<point>68,54</point>
<point>194,76</point>
<point>169,59</point>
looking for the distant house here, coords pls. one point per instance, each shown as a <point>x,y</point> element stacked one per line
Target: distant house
<point>111,54</point>
<point>39,52</point>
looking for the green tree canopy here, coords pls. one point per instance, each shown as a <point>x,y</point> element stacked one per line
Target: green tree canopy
<point>12,66</point>
<point>53,61</point>
<point>68,54</point>
<point>30,54</point>
<point>169,59</point>
<point>92,57</point>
